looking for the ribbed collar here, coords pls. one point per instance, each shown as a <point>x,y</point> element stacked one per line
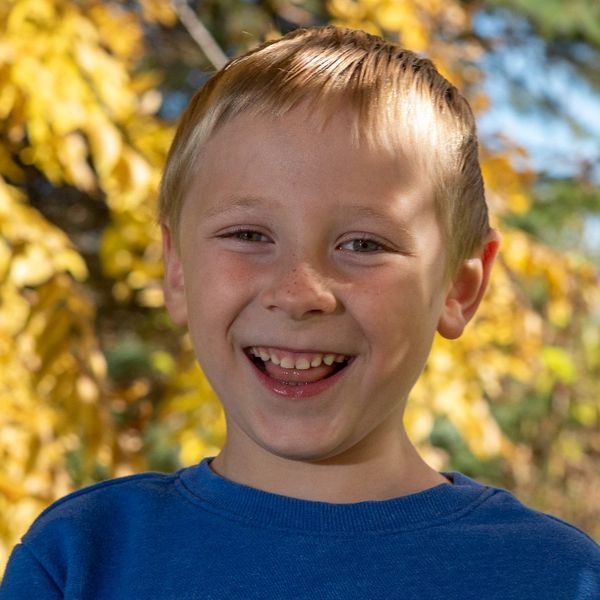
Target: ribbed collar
<point>431,507</point>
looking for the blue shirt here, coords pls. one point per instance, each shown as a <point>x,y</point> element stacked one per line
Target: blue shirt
<point>195,535</point>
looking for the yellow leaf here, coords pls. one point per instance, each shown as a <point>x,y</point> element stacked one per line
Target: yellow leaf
<point>14,310</point>
<point>5,256</point>
<point>560,312</point>
<point>152,296</point>
<point>393,15</point>
<point>28,15</point>
<point>66,259</point>
<point>72,152</point>
<point>519,203</point>
<point>105,143</point>
<point>134,176</point>
<point>87,389</point>
<point>585,413</point>
<point>569,447</point>
<point>418,422</point>
<point>560,363</point>
<point>8,97</point>
<point>32,267</point>
<point>8,167</point>
<point>158,11</point>
<point>119,29</point>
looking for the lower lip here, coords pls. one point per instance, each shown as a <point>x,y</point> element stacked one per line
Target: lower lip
<point>303,390</point>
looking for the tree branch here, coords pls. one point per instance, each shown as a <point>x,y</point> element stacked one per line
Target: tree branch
<point>200,34</point>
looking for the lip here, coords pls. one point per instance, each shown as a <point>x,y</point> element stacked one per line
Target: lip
<point>305,390</point>
<point>298,351</point>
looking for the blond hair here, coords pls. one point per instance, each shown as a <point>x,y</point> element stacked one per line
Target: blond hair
<point>398,100</point>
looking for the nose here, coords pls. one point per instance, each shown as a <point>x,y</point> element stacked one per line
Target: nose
<point>300,292</point>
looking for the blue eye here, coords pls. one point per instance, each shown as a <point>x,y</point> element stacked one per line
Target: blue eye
<point>250,236</point>
<point>246,235</point>
<point>362,245</point>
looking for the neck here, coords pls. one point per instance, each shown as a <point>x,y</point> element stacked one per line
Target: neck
<point>357,475</point>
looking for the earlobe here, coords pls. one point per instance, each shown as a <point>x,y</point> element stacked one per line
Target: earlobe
<point>468,288</point>
<point>173,282</point>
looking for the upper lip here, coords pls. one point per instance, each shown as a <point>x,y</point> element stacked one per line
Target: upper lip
<point>312,350</point>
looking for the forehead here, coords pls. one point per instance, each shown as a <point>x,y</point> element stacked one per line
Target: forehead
<point>302,164</point>
<point>301,144</point>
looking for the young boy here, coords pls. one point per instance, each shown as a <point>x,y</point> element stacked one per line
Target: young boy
<point>323,216</point>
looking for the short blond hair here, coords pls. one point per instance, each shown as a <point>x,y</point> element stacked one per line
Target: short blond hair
<point>398,100</point>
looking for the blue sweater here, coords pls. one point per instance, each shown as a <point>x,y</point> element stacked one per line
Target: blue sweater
<point>194,535</point>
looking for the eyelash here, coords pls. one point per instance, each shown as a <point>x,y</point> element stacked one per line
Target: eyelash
<point>244,235</point>
<point>365,240</point>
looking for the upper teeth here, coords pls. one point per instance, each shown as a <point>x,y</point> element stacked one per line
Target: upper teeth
<point>287,361</point>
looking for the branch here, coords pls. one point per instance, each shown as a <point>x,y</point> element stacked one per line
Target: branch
<point>200,34</point>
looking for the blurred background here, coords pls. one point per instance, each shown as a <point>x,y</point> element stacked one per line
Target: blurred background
<point>94,380</point>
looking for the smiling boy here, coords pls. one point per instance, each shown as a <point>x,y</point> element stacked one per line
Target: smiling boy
<point>314,251</point>
<point>323,216</point>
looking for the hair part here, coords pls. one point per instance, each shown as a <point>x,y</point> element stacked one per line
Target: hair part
<point>398,101</point>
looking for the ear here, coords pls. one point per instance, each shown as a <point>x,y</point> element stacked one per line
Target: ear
<point>467,288</point>
<point>173,283</point>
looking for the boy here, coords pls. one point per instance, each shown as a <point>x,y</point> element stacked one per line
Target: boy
<point>323,215</point>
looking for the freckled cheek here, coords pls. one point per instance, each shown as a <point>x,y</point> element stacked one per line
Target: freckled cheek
<point>220,290</point>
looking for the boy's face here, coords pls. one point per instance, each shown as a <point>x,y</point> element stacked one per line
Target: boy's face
<point>297,247</point>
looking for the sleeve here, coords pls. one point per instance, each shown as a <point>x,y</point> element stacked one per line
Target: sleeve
<point>26,578</point>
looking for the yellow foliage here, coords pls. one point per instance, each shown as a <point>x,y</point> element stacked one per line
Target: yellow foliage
<point>67,90</point>
<point>118,29</point>
<point>51,369</point>
<point>34,250</point>
<point>158,11</point>
<point>507,189</point>
<point>192,412</point>
<point>71,108</point>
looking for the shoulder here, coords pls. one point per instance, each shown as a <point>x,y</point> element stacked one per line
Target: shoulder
<point>524,531</point>
<point>108,504</point>
<point>120,488</point>
<point>103,520</point>
<point>102,526</point>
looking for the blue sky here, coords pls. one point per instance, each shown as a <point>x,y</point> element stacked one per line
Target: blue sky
<point>553,144</point>
<point>556,144</point>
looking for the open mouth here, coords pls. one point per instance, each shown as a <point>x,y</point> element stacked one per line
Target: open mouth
<point>297,368</point>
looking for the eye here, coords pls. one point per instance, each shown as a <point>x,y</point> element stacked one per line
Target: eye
<point>364,245</point>
<point>246,235</point>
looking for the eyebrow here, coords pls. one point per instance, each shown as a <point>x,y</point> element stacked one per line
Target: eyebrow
<point>376,215</point>
<point>231,203</point>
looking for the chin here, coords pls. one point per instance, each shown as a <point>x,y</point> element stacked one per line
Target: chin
<point>304,448</point>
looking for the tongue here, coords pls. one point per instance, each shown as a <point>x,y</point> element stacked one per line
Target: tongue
<point>298,376</point>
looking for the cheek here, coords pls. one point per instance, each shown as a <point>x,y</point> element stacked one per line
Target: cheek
<point>217,289</point>
<point>404,297</point>
<point>398,314</point>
